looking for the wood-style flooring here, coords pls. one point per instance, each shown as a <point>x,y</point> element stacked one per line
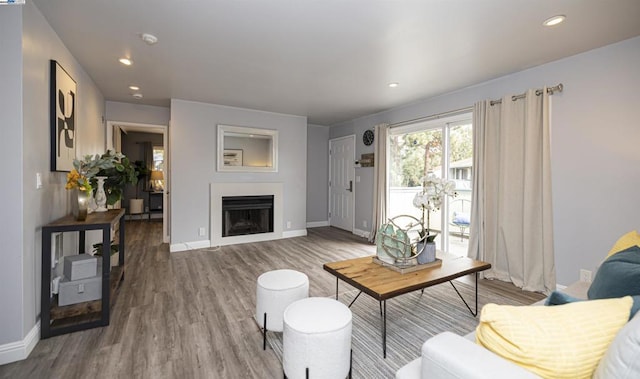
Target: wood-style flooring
<point>190,314</point>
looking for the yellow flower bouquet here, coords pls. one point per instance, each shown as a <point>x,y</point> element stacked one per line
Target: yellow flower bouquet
<point>79,181</point>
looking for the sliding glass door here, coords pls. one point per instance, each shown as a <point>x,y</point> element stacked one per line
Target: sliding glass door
<point>442,148</point>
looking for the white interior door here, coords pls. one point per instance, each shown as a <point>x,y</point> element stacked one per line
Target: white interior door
<point>341,174</point>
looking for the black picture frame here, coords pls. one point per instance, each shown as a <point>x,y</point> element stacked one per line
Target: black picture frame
<point>63,104</point>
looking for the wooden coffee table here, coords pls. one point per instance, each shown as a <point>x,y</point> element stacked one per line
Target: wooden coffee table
<point>382,283</point>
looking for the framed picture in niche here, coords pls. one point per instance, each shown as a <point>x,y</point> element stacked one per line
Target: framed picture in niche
<point>233,157</point>
<point>63,118</point>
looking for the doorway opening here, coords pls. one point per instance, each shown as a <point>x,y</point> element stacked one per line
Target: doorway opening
<point>146,146</point>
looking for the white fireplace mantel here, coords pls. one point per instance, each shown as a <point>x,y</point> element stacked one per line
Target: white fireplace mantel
<point>218,190</point>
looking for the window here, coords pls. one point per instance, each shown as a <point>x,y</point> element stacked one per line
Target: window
<point>158,158</point>
<point>443,148</point>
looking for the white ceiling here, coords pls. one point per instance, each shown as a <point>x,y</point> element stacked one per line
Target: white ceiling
<point>329,60</point>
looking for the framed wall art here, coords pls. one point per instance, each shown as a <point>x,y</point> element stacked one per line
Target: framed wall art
<point>232,157</point>
<point>63,119</point>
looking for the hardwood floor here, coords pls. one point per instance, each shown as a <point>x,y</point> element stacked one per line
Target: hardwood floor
<point>190,314</point>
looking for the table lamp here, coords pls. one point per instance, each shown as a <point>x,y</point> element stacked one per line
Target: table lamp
<point>156,180</point>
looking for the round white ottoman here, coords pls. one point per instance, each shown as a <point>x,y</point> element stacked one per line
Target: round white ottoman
<point>317,337</point>
<point>275,291</point>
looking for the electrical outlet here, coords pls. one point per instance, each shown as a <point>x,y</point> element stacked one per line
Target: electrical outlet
<point>201,232</point>
<point>288,224</point>
<point>364,223</point>
<point>585,276</point>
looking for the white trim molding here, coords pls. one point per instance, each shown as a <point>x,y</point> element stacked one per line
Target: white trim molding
<point>192,245</point>
<point>317,224</point>
<point>294,233</point>
<point>17,351</point>
<point>361,233</point>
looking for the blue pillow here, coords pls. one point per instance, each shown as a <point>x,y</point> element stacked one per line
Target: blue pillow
<point>618,276</point>
<point>559,298</point>
<point>461,218</point>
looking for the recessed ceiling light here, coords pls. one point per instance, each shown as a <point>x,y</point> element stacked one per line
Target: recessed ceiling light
<point>149,39</point>
<point>555,20</point>
<point>126,61</point>
<point>137,95</point>
<point>134,88</point>
<point>393,85</point>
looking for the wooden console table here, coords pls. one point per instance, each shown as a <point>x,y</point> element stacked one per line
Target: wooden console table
<point>156,202</point>
<point>56,320</point>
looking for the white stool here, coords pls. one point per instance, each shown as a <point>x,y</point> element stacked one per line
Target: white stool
<point>275,291</point>
<point>317,339</point>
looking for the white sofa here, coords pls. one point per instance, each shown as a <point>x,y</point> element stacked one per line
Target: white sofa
<point>448,355</point>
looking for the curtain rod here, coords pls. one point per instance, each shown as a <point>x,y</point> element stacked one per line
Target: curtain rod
<point>550,91</point>
<point>432,117</point>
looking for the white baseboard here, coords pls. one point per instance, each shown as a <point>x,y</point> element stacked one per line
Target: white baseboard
<point>183,246</point>
<point>294,233</point>
<point>193,245</point>
<point>17,351</point>
<point>361,233</point>
<point>317,224</point>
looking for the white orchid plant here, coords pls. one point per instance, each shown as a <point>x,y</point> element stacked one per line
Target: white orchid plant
<point>434,190</point>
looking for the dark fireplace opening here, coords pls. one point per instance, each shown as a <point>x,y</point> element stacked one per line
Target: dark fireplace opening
<point>242,215</point>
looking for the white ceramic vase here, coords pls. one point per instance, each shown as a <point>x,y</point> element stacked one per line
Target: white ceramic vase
<point>101,196</point>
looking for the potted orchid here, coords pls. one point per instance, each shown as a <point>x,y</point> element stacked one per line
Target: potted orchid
<point>434,190</point>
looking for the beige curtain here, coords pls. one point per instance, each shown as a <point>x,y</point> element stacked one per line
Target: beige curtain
<point>379,213</point>
<point>511,216</point>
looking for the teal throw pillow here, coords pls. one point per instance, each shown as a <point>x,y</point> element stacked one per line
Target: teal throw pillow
<point>559,298</point>
<point>618,276</point>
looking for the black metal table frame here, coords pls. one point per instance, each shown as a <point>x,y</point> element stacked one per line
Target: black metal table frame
<point>45,300</point>
<point>383,307</point>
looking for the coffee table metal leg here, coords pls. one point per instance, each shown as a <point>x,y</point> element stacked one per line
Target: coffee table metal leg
<point>337,288</point>
<point>462,298</point>
<point>355,298</point>
<point>476,294</point>
<point>384,329</point>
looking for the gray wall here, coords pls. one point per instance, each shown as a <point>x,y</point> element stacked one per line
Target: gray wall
<point>317,173</point>
<point>595,155</point>
<point>11,243</point>
<point>137,113</point>
<point>28,43</point>
<point>193,141</point>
